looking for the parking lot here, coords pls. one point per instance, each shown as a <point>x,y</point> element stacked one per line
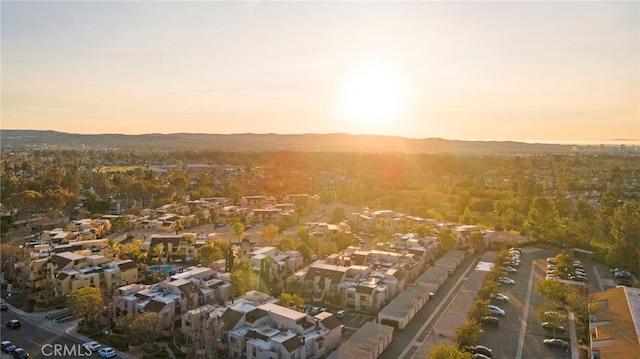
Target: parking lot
<point>520,334</point>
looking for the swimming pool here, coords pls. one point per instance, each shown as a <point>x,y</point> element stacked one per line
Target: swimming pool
<point>167,268</point>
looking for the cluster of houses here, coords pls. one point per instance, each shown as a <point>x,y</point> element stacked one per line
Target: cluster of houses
<point>392,282</point>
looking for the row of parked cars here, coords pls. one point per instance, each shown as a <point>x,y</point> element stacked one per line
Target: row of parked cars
<point>555,322</point>
<point>576,273</point>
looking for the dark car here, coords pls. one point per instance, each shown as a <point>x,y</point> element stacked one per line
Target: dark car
<point>4,307</point>
<point>13,324</point>
<point>489,320</point>
<point>481,349</point>
<point>20,353</point>
<point>556,342</point>
<point>7,346</point>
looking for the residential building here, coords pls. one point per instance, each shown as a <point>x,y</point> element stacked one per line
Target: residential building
<point>614,323</point>
<point>273,331</point>
<point>75,270</point>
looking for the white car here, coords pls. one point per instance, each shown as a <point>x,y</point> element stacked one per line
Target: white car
<point>509,269</point>
<point>495,310</point>
<point>499,296</point>
<point>505,280</point>
<point>107,353</point>
<point>551,267</point>
<point>93,346</point>
<point>550,276</point>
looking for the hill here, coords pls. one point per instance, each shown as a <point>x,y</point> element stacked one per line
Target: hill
<point>336,142</point>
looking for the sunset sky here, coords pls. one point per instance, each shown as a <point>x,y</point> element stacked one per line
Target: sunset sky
<point>530,71</point>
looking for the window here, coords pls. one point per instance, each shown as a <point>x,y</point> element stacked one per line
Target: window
<point>255,352</point>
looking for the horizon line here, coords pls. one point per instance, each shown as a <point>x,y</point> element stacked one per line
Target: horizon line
<point>567,142</point>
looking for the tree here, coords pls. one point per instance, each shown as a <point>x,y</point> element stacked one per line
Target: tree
<point>543,221</point>
<point>86,303</point>
<point>337,215</point>
<point>468,333</point>
<point>209,253</point>
<point>204,332</point>
<point>553,290</point>
<point>238,230</point>
<point>287,244</point>
<point>242,278</point>
<point>269,234</point>
<point>293,301</point>
<point>148,326</point>
<point>303,233</point>
<point>477,241</point>
<point>158,250</point>
<point>445,350</point>
<point>446,240</point>
<point>625,229</point>
<point>479,309</point>
<point>307,252</point>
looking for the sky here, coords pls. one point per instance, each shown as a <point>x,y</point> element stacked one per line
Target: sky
<point>552,71</point>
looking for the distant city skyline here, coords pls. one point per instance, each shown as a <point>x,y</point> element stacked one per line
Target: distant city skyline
<point>554,72</point>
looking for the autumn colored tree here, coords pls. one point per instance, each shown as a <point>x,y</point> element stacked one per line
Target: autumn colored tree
<point>293,301</point>
<point>86,303</point>
<point>446,350</point>
<point>269,234</point>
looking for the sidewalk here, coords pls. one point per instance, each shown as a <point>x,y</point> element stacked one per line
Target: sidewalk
<point>573,340</point>
<point>69,329</point>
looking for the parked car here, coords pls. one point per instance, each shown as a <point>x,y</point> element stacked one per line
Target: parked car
<point>481,349</point>
<point>341,313</point>
<point>551,267</point>
<point>551,260</point>
<point>13,324</point>
<point>7,346</point>
<point>4,307</point>
<point>555,316</point>
<point>489,320</point>
<point>20,353</point>
<point>499,296</point>
<point>479,356</point>
<point>505,280</point>
<point>315,310</point>
<point>509,269</point>
<point>554,326</point>
<point>512,263</point>
<point>495,310</point>
<point>107,353</point>
<point>556,342</point>
<point>93,346</point>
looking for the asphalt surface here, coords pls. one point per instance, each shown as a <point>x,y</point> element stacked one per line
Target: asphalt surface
<point>43,338</point>
<point>520,335</point>
<point>404,339</point>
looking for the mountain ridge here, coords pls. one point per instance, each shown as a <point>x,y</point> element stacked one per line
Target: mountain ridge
<point>255,142</point>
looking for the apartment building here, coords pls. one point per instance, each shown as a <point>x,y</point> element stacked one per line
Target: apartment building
<point>272,331</point>
<point>74,270</point>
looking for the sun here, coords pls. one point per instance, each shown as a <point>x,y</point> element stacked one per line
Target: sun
<point>374,97</point>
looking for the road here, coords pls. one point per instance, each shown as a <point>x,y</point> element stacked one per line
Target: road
<point>416,329</point>
<point>34,340</point>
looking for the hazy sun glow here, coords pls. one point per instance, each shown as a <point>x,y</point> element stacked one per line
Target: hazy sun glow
<point>374,97</point>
